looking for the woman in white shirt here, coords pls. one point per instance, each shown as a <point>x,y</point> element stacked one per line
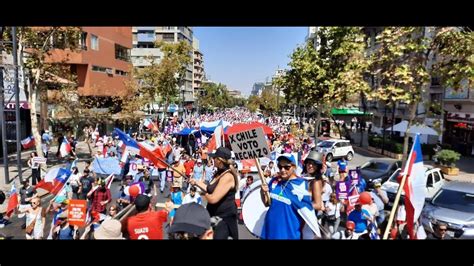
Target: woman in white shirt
<point>74,182</point>
<point>332,213</point>
<point>327,190</point>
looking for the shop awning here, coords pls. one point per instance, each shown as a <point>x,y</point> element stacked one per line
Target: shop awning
<point>347,111</point>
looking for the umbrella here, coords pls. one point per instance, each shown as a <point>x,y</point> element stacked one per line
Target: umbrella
<point>422,129</point>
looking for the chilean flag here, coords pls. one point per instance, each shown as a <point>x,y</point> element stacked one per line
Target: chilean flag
<point>54,180</point>
<point>27,143</point>
<point>13,201</point>
<point>150,125</point>
<point>415,186</point>
<point>65,148</point>
<point>145,150</point>
<point>216,140</point>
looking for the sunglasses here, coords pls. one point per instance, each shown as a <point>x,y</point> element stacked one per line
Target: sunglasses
<point>286,167</point>
<point>443,229</point>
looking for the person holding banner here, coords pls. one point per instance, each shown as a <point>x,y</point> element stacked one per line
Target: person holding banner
<point>220,194</point>
<point>35,169</point>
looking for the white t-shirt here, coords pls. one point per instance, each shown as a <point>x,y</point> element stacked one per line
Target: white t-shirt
<point>189,199</point>
<point>74,180</point>
<point>327,190</point>
<point>333,209</point>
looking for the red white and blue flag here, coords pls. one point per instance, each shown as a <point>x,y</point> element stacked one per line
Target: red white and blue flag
<point>150,125</point>
<point>415,186</point>
<point>13,201</point>
<point>27,143</point>
<point>54,180</point>
<point>65,148</point>
<point>145,150</point>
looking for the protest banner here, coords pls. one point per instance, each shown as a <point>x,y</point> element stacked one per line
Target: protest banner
<point>77,212</point>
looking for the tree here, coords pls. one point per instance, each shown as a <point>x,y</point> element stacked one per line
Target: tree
<point>408,56</point>
<point>36,47</point>
<point>159,81</point>
<point>327,75</point>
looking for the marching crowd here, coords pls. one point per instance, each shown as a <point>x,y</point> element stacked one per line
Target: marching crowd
<point>201,187</point>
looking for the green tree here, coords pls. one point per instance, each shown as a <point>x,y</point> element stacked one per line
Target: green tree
<point>327,75</point>
<point>37,47</point>
<point>407,57</point>
<point>162,80</point>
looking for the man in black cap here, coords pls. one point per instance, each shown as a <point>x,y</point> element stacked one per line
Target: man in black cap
<point>191,221</point>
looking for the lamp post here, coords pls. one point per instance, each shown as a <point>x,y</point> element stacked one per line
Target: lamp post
<point>383,125</point>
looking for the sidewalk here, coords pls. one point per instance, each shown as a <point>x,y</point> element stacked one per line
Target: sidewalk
<point>82,151</point>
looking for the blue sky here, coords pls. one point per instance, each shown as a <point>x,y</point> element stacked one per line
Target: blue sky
<point>241,56</point>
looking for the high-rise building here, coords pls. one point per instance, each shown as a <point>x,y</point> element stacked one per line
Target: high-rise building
<point>198,73</point>
<point>143,47</point>
<point>257,88</point>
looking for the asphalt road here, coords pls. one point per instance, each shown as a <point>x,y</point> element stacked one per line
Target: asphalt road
<point>15,231</point>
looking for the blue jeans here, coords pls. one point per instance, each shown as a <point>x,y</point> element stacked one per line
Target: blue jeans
<point>381,217</point>
<point>162,175</point>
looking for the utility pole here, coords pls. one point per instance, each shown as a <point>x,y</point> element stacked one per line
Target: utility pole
<point>2,118</point>
<point>17,105</point>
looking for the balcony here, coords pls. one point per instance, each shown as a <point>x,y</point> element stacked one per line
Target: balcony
<point>146,37</point>
<point>145,28</point>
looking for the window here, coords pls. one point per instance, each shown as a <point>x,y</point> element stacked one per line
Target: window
<point>120,73</point>
<point>122,53</point>
<point>83,41</point>
<point>94,42</point>
<point>429,180</point>
<point>168,37</point>
<point>436,176</point>
<point>102,69</point>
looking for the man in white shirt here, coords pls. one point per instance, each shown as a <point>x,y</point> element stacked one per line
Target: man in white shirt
<point>192,197</point>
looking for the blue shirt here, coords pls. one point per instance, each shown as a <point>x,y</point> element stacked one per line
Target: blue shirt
<point>359,220</point>
<point>198,170</point>
<point>342,165</point>
<point>209,173</point>
<point>282,220</point>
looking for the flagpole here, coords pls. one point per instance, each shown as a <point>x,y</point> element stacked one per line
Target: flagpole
<point>395,204</point>
<point>262,179</point>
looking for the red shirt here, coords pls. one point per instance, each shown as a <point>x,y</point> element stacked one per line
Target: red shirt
<point>189,166</point>
<point>97,197</point>
<point>147,225</point>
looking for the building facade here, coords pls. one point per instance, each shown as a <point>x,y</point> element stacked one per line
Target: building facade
<point>144,49</point>
<point>198,68</point>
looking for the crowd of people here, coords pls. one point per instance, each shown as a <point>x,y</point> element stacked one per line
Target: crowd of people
<point>201,187</point>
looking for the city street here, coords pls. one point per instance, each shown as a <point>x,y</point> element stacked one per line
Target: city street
<point>15,231</point>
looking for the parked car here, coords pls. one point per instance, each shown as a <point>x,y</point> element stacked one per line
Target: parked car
<point>336,148</point>
<point>378,170</point>
<point>453,205</point>
<point>434,181</point>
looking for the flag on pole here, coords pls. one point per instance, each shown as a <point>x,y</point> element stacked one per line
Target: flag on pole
<point>65,148</point>
<point>27,143</point>
<point>150,125</point>
<point>216,140</point>
<point>415,186</point>
<point>13,201</point>
<point>54,180</point>
<point>145,150</point>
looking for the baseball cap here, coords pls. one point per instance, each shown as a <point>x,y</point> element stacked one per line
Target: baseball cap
<point>142,202</point>
<point>191,218</point>
<point>314,156</point>
<point>287,156</point>
<point>199,161</point>
<point>222,152</point>
<point>350,225</point>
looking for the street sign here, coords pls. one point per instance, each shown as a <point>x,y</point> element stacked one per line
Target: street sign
<point>249,144</point>
<point>77,212</point>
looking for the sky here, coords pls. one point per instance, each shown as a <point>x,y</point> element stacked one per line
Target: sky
<point>240,56</point>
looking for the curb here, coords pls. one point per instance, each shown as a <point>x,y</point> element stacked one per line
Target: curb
<point>371,152</point>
